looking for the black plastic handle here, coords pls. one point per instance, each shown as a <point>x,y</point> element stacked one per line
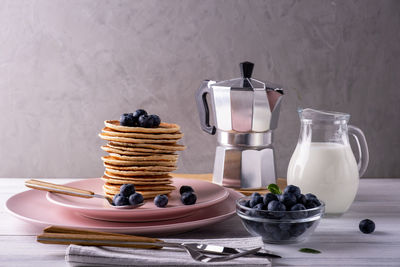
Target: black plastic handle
<point>202,106</point>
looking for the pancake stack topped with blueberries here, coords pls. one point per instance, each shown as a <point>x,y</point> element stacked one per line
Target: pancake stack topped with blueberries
<point>142,151</point>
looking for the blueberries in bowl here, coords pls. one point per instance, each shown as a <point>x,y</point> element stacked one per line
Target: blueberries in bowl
<point>281,217</point>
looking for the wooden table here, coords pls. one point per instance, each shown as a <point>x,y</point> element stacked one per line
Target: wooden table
<point>339,239</point>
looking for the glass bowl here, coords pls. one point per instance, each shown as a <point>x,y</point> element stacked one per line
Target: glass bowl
<point>279,227</point>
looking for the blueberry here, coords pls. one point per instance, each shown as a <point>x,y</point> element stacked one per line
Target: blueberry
<point>301,199</point>
<point>268,198</point>
<point>255,194</point>
<point>138,113</point>
<point>312,203</point>
<point>255,200</point>
<point>185,188</point>
<point>188,198</point>
<point>275,205</point>
<point>367,226</point>
<point>298,214</point>
<point>278,208</point>
<point>293,190</point>
<point>161,201</point>
<point>135,199</point>
<point>288,199</point>
<point>259,206</point>
<point>145,121</point>
<point>310,196</point>
<point>245,203</point>
<point>156,120</point>
<point>297,229</point>
<point>120,200</point>
<point>126,119</point>
<point>284,226</point>
<point>127,189</point>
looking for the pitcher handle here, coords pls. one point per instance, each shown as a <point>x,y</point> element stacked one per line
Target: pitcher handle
<point>202,106</point>
<point>362,148</point>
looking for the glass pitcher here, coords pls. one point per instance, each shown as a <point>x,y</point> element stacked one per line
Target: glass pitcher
<point>323,162</point>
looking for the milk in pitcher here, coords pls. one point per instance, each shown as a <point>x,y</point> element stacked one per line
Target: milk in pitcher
<point>328,170</point>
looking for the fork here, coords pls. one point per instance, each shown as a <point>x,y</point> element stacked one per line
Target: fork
<point>66,236</point>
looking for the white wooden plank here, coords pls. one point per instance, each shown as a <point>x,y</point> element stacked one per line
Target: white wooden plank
<point>339,239</point>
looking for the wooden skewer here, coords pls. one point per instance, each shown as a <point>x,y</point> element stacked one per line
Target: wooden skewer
<point>66,236</point>
<point>40,185</point>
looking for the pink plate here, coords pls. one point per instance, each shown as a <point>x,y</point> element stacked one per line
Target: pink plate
<point>208,194</point>
<point>32,206</point>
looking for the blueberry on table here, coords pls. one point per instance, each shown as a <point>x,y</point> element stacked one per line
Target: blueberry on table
<point>127,189</point>
<point>156,120</point>
<point>161,201</point>
<point>136,199</point>
<point>126,119</point>
<point>367,226</point>
<point>255,200</point>
<point>185,188</point>
<point>255,194</point>
<point>188,198</point>
<point>269,197</point>
<point>120,200</point>
<point>293,190</point>
<point>288,199</point>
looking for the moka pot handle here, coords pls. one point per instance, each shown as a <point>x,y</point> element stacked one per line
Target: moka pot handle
<point>203,108</point>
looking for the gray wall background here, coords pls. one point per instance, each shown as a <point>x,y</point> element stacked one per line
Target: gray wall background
<point>66,66</point>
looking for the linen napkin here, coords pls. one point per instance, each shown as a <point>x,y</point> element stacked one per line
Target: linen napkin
<point>119,256</point>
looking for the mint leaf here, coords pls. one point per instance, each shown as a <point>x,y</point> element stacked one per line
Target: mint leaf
<point>274,189</point>
<point>309,250</point>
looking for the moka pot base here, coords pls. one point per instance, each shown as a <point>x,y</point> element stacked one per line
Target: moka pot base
<point>244,160</point>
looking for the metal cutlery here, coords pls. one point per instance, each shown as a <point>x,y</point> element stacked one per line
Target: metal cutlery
<point>61,235</point>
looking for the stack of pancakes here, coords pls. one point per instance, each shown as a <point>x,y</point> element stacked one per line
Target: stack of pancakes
<point>140,156</point>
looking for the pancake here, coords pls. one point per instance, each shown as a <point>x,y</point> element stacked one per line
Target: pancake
<point>136,140</point>
<point>110,132</point>
<point>175,147</point>
<point>162,128</point>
